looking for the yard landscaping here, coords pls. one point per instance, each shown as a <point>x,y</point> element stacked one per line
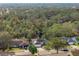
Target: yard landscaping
<point>41,52</point>
<point>73,51</point>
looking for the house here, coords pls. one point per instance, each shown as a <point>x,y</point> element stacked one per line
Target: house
<point>70,40</point>
<point>19,43</point>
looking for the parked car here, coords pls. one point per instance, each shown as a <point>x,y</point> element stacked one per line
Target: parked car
<point>64,49</point>
<point>38,44</point>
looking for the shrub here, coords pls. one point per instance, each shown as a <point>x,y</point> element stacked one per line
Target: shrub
<point>32,49</point>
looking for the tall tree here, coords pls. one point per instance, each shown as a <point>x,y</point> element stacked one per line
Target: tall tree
<point>56,43</point>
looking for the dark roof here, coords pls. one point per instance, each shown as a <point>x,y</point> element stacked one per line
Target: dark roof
<point>71,40</point>
<point>19,42</point>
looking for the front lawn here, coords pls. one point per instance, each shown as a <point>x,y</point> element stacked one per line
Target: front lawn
<point>16,50</point>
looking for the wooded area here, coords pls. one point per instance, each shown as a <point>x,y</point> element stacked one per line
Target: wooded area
<point>44,23</point>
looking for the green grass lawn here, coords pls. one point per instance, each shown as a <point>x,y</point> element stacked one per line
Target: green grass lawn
<point>68,47</point>
<point>77,45</point>
<point>16,50</point>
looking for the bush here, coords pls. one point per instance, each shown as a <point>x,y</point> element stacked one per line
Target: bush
<point>32,49</point>
<point>75,52</point>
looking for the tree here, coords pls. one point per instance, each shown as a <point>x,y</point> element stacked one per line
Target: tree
<point>5,40</point>
<point>60,30</point>
<point>56,43</point>
<point>32,49</point>
<point>77,38</point>
<point>68,29</point>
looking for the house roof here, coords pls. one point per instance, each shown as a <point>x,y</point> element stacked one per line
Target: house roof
<point>19,42</point>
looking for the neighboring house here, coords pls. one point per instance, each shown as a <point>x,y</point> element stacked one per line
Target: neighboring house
<point>70,40</point>
<point>24,43</point>
<point>19,43</point>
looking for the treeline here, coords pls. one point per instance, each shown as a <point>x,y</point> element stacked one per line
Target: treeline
<point>40,22</point>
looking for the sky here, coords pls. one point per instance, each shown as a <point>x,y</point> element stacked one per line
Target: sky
<point>39,1</point>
